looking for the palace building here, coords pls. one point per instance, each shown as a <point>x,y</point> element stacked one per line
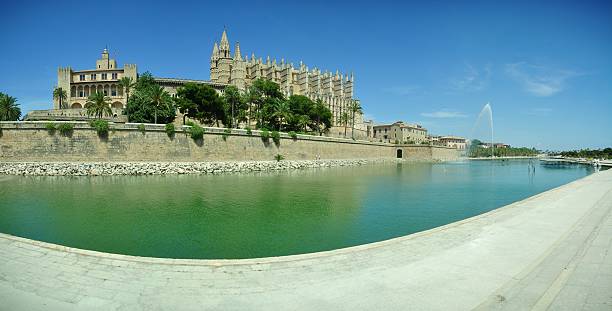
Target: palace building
<point>103,78</point>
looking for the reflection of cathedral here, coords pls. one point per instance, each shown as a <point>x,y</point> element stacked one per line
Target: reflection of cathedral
<point>335,90</point>
<point>104,79</point>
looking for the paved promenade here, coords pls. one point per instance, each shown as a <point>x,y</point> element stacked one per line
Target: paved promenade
<point>549,252</point>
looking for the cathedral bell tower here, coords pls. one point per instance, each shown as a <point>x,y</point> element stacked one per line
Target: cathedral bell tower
<point>224,62</point>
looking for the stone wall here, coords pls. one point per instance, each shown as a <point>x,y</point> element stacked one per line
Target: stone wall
<point>30,141</point>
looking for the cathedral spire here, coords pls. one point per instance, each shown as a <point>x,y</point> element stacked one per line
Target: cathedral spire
<point>237,55</point>
<point>224,40</point>
<point>215,52</point>
<point>224,47</point>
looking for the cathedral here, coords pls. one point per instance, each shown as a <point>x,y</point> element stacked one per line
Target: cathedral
<point>335,90</point>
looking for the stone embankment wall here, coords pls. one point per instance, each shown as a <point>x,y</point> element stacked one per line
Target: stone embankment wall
<point>163,168</point>
<point>31,142</point>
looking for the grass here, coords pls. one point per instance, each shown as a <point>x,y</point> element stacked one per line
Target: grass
<point>275,137</point>
<point>197,132</point>
<point>279,157</point>
<point>51,128</point>
<point>65,129</point>
<point>170,129</point>
<point>141,128</point>
<point>101,127</point>
<point>265,135</point>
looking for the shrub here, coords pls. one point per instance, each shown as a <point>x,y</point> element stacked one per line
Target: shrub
<point>279,157</point>
<point>141,128</point>
<point>50,128</point>
<point>397,142</point>
<point>101,127</point>
<point>226,133</point>
<point>293,134</point>
<point>65,129</point>
<point>170,129</point>
<point>197,132</point>
<point>190,123</point>
<point>249,131</point>
<point>275,137</point>
<point>265,135</point>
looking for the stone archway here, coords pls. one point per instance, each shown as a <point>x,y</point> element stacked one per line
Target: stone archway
<point>76,106</point>
<point>117,105</point>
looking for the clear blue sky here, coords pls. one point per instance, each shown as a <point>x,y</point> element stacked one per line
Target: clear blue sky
<point>546,67</point>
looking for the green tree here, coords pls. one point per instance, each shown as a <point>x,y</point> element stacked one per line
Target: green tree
<point>344,119</point>
<point>98,105</point>
<point>303,121</point>
<point>160,99</point>
<point>143,107</point>
<point>355,108</point>
<point>201,102</point>
<point>267,94</point>
<point>234,102</point>
<point>9,108</point>
<point>322,115</point>
<point>61,95</point>
<point>252,98</point>
<point>127,83</point>
<point>281,112</point>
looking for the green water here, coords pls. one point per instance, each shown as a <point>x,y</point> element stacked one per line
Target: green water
<point>266,214</point>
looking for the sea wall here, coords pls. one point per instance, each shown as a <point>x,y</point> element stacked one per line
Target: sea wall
<point>166,168</point>
<point>32,142</point>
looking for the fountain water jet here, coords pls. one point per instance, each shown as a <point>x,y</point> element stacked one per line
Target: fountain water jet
<point>486,109</point>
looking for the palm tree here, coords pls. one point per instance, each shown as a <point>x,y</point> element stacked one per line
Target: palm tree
<point>355,108</point>
<point>9,108</point>
<point>233,99</point>
<point>61,96</point>
<point>98,105</point>
<point>303,121</point>
<point>282,111</point>
<point>127,83</point>
<point>344,119</point>
<point>158,97</point>
<point>255,100</point>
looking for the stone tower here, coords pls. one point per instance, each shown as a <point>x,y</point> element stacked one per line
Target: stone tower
<point>238,73</point>
<point>224,62</point>
<point>64,76</point>
<point>214,70</point>
<point>106,62</point>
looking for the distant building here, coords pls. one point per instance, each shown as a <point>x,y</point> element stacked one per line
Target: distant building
<point>104,78</point>
<point>496,145</point>
<point>400,132</point>
<point>450,141</point>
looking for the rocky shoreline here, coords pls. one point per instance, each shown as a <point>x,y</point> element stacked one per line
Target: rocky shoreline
<point>162,168</point>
